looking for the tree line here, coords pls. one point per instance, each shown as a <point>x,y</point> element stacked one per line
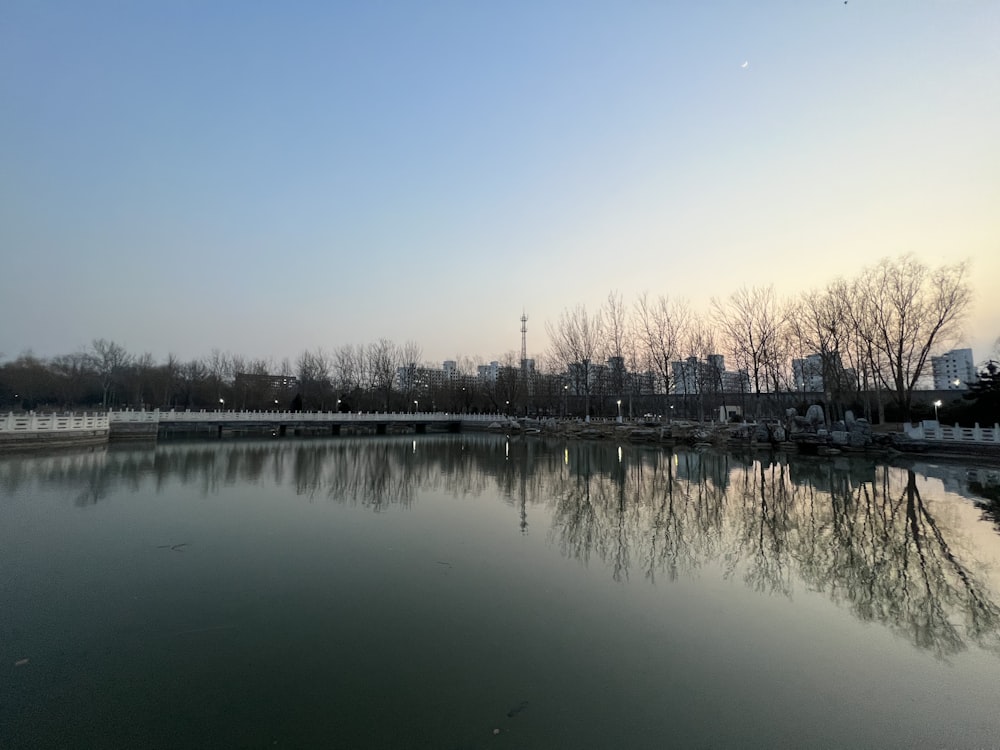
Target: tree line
<point>873,335</point>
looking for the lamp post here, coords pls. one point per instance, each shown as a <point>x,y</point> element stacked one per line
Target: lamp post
<point>416,406</point>
<point>936,405</point>
<point>619,402</point>
<point>222,404</point>
<point>507,410</point>
<point>565,401</point>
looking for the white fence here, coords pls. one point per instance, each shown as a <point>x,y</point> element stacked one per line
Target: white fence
<point>298,417</point>
<point>30,422</point>
<point>932,430</point>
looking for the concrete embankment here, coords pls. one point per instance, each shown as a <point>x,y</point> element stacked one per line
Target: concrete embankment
<point>133,431</point>
<point>30,431</point>
<point>22,441</point>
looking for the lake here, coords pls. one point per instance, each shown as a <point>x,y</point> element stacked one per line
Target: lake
<point>474,591</point>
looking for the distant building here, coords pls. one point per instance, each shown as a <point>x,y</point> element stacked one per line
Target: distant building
<point>953,370</point>
<point>488,373</point>
<point>271,385</point>
<point>710,376</point>
<point>414,378</point>
<point>646,383</point>
<point>737,381</point>
<point>808,374</point>
<point>263,391</point>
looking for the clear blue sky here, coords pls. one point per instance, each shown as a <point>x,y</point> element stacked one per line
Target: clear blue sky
<point>268,177</point>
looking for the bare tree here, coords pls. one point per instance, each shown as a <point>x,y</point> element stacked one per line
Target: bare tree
<point>383,358</point>
<point>820,324</point>
<point>141,374</point>
<point>701,378</point>
<point>751,322</point>
<point>508,388</point>
<point>170,373</point>
<point>408,356</point>
<point>907,310</point>
<point>576,340</point>
<point>410,353</point>
<point>617,337</point>
<point>74,373</point>
<point>109,361</point>
<point>662,324</point>
<point>314,369</point>
<point>347,368</point>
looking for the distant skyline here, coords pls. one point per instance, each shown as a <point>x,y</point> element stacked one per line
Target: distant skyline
<point>265,179</point>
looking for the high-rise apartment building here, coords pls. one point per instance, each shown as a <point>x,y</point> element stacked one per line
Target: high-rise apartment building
<point>953,370</point>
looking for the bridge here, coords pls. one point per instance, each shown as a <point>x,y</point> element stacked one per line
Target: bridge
<point>147,423</point>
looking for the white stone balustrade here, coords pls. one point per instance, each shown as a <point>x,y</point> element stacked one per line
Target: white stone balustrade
<point>931,430</point>
<point>68,423</point>
<point>289,417</point>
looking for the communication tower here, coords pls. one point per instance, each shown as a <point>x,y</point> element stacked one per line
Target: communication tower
<point>524,341</point>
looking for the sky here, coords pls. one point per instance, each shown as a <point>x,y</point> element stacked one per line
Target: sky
<point>264,178</point>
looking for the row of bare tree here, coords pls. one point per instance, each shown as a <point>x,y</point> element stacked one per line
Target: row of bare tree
<point>874,333</point>
<point>106,375</point>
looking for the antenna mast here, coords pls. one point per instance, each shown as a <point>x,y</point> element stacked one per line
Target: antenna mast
<point>524,340</point>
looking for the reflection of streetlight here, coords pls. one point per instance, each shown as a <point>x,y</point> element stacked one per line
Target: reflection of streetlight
<point>936,405</point>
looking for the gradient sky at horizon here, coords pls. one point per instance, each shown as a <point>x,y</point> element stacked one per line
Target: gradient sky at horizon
<point>265,178</point>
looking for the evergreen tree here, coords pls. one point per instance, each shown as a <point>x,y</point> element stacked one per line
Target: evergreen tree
<point>985,395</point>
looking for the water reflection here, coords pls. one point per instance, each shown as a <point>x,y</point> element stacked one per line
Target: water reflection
<point>882,541</point>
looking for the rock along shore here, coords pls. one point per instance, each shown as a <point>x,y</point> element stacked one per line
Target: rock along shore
<point>817,442</point>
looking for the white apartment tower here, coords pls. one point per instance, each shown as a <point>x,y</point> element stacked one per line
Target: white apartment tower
<point>953,370</point>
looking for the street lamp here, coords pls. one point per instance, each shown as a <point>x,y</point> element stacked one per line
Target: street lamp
<point>936,405</point>
<point>565,401</point>
<point>619,402</point>
<point>416,405</point>
<point>508,408</point>
<point>222,404</point>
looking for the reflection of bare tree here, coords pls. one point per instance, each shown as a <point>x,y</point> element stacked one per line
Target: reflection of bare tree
<point>987,498</point>
<point>863,534</point>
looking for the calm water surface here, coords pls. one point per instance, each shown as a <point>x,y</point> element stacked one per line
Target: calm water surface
<point>394,593</point>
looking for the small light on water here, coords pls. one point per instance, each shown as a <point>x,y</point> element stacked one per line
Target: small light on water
<point>414,446</point>
<point>619,454</point>
<point>566,456</point>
